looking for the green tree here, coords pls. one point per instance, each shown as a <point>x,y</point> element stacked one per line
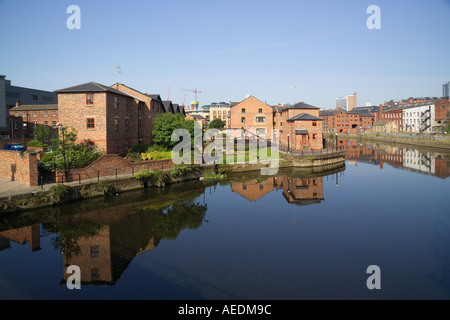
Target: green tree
<point>216,124</point>
<point>76,155</point>
<point>42,132</point>
<point>165,124</point>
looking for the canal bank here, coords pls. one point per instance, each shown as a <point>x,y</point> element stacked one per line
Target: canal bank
<point>436,145</point>
<point>22,197</point>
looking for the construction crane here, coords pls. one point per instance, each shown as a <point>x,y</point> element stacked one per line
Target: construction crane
<point>193,91</point>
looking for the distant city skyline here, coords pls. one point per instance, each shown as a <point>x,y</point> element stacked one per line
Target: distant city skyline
<point>278,51</point>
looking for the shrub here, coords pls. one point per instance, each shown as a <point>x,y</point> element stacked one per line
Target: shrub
<point>182,169</point>
<point>157,177</point>
<point>36,143</point>
<point>59,192</point>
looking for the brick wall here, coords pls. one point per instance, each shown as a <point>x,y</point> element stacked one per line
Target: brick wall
<point>107,166</point>
<point>252,107</point>
<point>19,166</point>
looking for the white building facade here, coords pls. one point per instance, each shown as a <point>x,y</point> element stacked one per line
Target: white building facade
<point>419,117</point>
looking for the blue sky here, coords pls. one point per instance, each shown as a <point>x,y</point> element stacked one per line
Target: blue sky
<point>279,51</point>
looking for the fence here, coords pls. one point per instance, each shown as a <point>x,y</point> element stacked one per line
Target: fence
<point>327,150</point>
<point>109,165</point>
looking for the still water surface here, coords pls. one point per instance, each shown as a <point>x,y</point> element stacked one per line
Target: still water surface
<point>296,235</point>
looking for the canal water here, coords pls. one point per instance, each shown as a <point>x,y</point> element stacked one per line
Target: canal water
<point>297,235</point>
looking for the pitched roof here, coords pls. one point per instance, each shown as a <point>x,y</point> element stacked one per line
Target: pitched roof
<point>299,105</point>
<point>154,96</point>
<point>303,116</point>
<point>168,106</point>
<point>94,87</point>
<point>35,107</point>
<point>88,87</point>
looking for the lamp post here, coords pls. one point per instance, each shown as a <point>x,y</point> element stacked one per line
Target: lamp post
<point>288,142</point>
<point>64,150</point>
<point>336,141</point>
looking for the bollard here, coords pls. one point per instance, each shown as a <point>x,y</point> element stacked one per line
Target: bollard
<point>79,177</point>
<point>42,182</point>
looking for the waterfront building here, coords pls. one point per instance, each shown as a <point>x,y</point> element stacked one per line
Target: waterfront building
<point>114,118</point>
<point>347,121</point>
<point>299,126</point>
<point>254,116</point>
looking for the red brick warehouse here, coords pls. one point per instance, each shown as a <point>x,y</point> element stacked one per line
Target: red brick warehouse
<point>114,118</point>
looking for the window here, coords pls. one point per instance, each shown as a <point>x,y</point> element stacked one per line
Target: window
<point>90,123</point>
<point>116,124</point>
<point>24,114</point>
<point>116,103</point>
<point>94,252</point>
<point>260,110</point>
<point>16,114</point>
<point>34,97</point>
<point>46,123</point>
<point>95,275</point>
<point>127,124</point>
<point>45,114</point>
<point>261,187</point>
<point>54,136</point>
<point>260,119</point>
<point>314,124</point>
<point>34,114</point>
<point>244,187</point>
<point>116,146</point>
<point>314,136</point>
<point>53,113</point>
<point>243,110</point>
<point>16,125</point>
<point>35,124</point>
<point>89,98</point>
<point>54,124</point>
<point>242,119</point>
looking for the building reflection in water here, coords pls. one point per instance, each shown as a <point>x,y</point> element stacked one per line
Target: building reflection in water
<point>425,162</point>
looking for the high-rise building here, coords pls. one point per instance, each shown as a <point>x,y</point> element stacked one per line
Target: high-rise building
<point>446,90</point>
<point>347,103</point>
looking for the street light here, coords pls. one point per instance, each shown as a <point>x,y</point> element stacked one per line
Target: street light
<point>64,150</point>
<point>336,140</point>
<point>288,142</point>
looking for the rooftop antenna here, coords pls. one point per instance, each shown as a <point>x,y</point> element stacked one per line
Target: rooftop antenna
<point>117,70</point>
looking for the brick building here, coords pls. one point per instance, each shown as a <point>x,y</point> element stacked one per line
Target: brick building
<point>114,118</point>
<point>300,127</point>
<point>11,95</point>
<point>252,115</point>
<point>24,118</point>
<point>343,121</point>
